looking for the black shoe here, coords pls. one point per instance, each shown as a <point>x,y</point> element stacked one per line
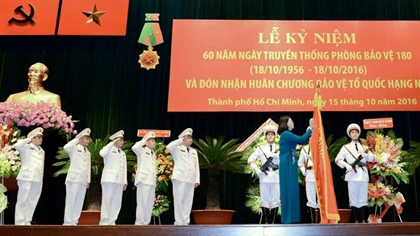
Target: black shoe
<point>362,216</point>
<point>312,215</point>
<point>272,218</point>
<point>355,212</point>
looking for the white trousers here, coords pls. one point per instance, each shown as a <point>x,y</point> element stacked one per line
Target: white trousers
<point>358,193</point>
<point>270,195</point>
<point>27,199</point>
<point>75,195</point>
<point>111,202</point>
<point>183,198</point>
<point>311,194</point>
<point>145,202</point>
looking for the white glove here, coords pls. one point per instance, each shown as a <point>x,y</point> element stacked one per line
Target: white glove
<point>348,167</point>
<point>302,169</point>
<point>255,168</point>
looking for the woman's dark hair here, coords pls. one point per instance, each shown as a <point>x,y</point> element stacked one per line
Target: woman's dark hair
<point>283,123</point>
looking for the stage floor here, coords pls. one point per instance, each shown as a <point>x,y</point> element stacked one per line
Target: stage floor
<point>215,230</point>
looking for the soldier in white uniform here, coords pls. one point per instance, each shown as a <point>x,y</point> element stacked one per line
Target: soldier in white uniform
<point>114,178</point>
<point>30,176</point>
<point>78,176</point>
<point>185,177</point>
<point>357,176</point>
<point>305,165</point>
<point>145,177</point>
<point>269,181</point>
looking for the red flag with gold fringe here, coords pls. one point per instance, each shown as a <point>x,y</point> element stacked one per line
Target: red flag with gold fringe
<point>322,168</point>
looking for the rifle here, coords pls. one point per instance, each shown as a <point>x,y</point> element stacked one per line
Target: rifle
<point>356,162</point>
<point>269,165</point>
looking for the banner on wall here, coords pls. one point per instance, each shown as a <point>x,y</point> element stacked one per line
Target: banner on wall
<point>35,17</point>
<point>250,65</point>
<point>76,17</point>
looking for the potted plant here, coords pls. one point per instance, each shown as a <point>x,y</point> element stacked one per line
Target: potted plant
<point>93,195</point>
<point>215,155</point>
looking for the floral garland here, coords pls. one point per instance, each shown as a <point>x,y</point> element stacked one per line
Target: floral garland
<point>164,168</point>
<point>387,150</point>
<point>9,157</point>
<point>42,114</point>
<point>14,115</point>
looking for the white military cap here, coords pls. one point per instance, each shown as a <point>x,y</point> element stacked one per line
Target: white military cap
<point>270,128</point>
<point>186,132</point>
<point>119,134</point>
<point>149,135</point>
<point>351,127</point>
<point>35,132</point>
<point>85,132</point>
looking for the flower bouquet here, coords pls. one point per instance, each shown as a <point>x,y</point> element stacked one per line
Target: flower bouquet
<point>387,150</point>
<point>3,198</point>
<point>161,204</point>
<point>164,167</point>
<point>9,157</point>
<point>379,193</point>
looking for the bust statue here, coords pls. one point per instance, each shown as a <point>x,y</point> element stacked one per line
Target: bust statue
<point>37,73</point>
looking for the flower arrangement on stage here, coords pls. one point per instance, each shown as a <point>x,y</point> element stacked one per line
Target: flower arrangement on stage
<point>3,198</point>
<point>164,168</point>
<point>161,204</point>
<point>379,193</point>
<point>9,157</point>
<point>387,150</point>
<point>42,114</point>
<point>389,163</point>
<point>9,162</point>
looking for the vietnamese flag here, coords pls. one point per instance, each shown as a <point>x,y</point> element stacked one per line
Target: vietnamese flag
<point>35,17</point>
<point>322,169</point>
<point>93,17</point>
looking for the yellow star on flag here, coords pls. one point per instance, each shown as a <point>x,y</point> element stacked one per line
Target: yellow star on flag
<point>93,16</point>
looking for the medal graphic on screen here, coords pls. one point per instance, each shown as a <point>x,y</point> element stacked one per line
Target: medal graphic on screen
<point>150,36</point>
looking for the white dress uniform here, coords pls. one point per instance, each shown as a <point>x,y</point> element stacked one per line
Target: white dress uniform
<point>186,173</point>
<point>29,178</point>
<point>305,159</point>
<point>114,177</point>
<point>269,184</point>
<point>78,177</point>
<point>145,180</point>
<point>357,181</point>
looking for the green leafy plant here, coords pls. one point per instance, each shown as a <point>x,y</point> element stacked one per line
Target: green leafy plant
<point>334,147</point>
<point>254,198</point>
<point>253,202</point>
<point>412,158</point>
<point>215,155</point>
<point>160,205</point>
